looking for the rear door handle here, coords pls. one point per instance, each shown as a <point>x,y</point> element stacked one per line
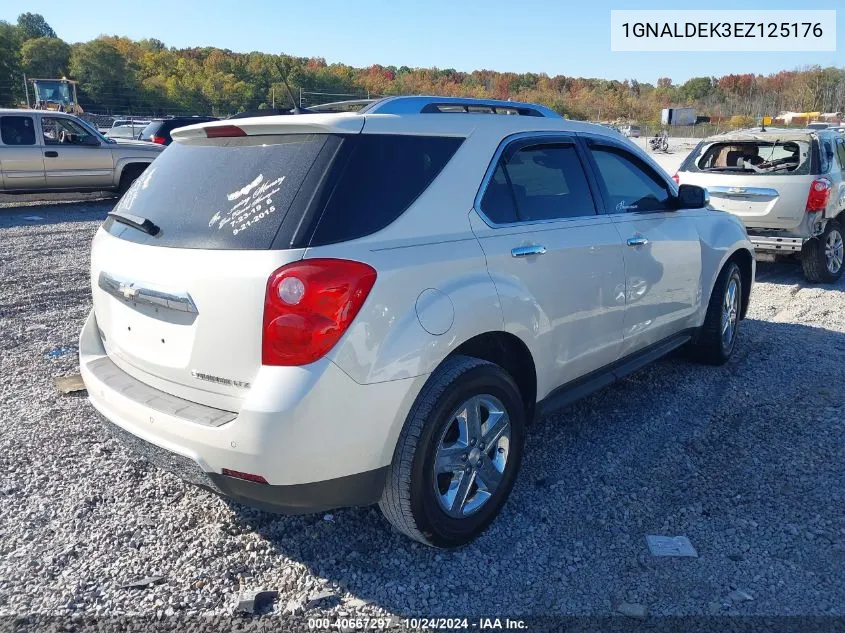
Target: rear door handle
<point>637,241</point>
<point>525,251</point>
<point>51,154</point>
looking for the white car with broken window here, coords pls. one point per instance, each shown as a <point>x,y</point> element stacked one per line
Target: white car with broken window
<point>307,311</point>
<point>786,185</point>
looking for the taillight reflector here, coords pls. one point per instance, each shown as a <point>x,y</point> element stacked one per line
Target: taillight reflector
<point>224,131</point>
<point>257,479</point>
<point>160,140</point>
<point>819,193</point>
<point>676,178</point>
<point>309,305</point>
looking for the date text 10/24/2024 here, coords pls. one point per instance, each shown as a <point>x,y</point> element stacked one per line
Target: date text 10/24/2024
<point>441,624</point>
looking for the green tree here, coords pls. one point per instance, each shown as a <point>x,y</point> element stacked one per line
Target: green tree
<point>697,88</point>
<point>102,74</point>
<point>33,25</point>
<point>11,79</point>
<point>45,57</point>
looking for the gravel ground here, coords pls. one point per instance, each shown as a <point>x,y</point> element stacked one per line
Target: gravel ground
<point>745,460</point>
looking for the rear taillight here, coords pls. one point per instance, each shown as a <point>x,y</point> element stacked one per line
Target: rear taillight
<point>819,193</point>
<point>309,305</point>
<point>158,139</point>
<point>224,131</point>
<point>676,178</point>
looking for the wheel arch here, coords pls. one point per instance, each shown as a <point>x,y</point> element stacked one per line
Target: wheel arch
<point>511,354</point>
<point>130,163</point>
<point>745,260</point>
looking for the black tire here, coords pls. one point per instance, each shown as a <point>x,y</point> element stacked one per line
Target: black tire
<point>411,500</point>
<point>814,257</point>
<point>710,346</point>
<point>130,174</point>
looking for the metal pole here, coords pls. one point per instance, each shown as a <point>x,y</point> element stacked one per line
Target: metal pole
<point>26,90</point>
<point>273,92</point>
<point>300,97</point>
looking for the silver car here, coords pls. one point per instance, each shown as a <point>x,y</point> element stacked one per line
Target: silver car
<point>787,186</point>
<point>43,151</point>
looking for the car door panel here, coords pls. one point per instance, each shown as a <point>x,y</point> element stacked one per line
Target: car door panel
<point>568,303</point>
<point>70,165</point>
<point>663,276</point>
<point>662,249</point>
<point>560,280</point>
<point>21,160</point>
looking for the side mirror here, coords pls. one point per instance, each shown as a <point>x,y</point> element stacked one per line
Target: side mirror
<point>90,141</point>
<point>692,197</point>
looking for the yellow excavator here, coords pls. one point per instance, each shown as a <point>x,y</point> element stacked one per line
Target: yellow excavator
<point>55,94</point>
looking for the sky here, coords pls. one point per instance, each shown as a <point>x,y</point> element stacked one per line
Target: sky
<point>550,36</point>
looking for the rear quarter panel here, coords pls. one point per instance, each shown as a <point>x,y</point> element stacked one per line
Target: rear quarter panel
<point>428,299</point>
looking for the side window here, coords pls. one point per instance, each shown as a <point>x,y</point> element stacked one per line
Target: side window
<point>384,175</point>
<point>840,150</point>
<point>538,182</point>
<point>630,184</point>
<point>64,131</point>
<point>825,155</point>
<point>498,202</point>
<point>17,130</point>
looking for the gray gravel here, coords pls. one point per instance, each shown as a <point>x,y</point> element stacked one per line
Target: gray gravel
<point>745,460</point>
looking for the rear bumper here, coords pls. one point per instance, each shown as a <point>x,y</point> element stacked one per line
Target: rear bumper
<point>775,244</point>
<point>360,489</point>
<point>317,437</point>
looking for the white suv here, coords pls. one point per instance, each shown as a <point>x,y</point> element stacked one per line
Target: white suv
<point>319,310</point>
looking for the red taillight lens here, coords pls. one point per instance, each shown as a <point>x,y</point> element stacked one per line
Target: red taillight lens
<point>819,193</point>
<point>309,305</point>
<point>676,178</point>
<point>157,139</point>
<point>224,131</point>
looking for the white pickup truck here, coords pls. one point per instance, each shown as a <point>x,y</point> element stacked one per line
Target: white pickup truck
<point>786,185</point>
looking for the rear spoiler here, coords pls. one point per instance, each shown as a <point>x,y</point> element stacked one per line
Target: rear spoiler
<point>334,123</point>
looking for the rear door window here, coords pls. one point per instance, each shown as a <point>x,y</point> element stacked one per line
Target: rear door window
<point>537,182</point>
<point>231,195</point>
<point>17,130</point>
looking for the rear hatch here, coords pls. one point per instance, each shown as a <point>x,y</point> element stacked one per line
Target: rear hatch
<point>763,182</point>
<point>182,309</point>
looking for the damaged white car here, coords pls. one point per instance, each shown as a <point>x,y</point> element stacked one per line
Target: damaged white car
<point>787,186</point>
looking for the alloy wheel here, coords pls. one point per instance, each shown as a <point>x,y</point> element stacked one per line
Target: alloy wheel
<point>834,251</point>
<point>730,313</point>
<point>471,455</point>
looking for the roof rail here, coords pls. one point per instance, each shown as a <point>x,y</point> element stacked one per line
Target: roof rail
<point>433,105</point>
<point>341,106</point>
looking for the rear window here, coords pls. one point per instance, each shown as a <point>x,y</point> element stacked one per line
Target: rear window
<point>151,129</point>
<point>219,196</point>
<point>262,192</point>
<point>752,157</point>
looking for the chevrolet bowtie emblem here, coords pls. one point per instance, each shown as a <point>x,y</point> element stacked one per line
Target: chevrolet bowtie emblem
<point>128,291</point>
<point>736,190</point>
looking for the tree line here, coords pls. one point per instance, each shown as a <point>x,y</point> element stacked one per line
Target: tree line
<point>119,75</point>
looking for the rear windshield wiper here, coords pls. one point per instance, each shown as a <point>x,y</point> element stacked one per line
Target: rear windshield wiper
<point>136,222</point>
